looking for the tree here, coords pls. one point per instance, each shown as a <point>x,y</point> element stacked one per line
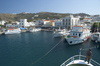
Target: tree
<point>2,25</point>
<point>95,25</point>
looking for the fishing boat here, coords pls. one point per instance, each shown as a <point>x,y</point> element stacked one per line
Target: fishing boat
<point>79,34</point>
<point>96,36</point>
<point>79,60</point>
<point>12,30</point>
<point>60,32</point>
<point>33,29</point>
<point>23,29</point>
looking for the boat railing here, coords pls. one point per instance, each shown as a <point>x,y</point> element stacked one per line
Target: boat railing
<point>79,57</point>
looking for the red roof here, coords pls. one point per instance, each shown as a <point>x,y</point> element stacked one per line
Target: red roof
<point>87,18</point>
<point>11,28</point>
<point>77,26</point>
<point>45,20</point>
<point>49,20</point>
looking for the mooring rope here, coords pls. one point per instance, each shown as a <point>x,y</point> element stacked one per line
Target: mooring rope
<point>46,53</point>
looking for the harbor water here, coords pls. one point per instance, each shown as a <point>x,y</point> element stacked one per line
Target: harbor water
<point>40,49</point>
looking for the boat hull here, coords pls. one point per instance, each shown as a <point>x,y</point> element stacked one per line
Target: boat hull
<point>35,30</point>
<point>12,32</point>
<point>96,37</point>
<point>58,35</point>
<point>73,41</point>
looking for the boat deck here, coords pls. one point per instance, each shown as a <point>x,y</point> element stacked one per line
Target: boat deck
<point>78,60</point>
<point>79,63</point>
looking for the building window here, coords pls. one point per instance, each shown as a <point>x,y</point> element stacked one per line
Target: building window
<point>69,27</point>
<point>69,20</point>
<point>66,20</point>
<point>69,23</point>
<point>79,34</point>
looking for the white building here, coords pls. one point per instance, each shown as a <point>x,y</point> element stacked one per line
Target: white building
<point>2,22</point>
<point>36,15</point>
<point>39,22</point>
<point>45,23</point>
<point>42,22</point>
<point>96,18</point>
<point>32,23</point>
<point>13,25</point>
<point>70,21</point>
<point>24,23</point>
<point>58,23</point>
<point>86,19</point>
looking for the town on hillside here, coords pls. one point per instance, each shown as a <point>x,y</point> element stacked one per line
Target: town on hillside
<point>49,25</point>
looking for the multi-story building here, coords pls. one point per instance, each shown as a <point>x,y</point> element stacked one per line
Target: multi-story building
<point>42,22</point>
<point>58,23</point>
<point>2,22</point>
<point>13,24</point>
<point>45,23</point>
<point>50,23</point>
<point>70,21</point>
<point>87,21</point>
<point>23,23</point>
<point>96,18</point>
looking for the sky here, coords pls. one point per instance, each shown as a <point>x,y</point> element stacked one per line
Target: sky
<point>91,7</point>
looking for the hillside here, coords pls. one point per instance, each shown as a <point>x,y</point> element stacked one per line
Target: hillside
<point>41,15</point>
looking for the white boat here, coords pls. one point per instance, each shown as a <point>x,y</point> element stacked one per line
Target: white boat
<point>12,30</point>
<point>96,37</point>
<point>79,60</point>
<point>60,32</point>
<point>33,29</point>
<point>79,34</point>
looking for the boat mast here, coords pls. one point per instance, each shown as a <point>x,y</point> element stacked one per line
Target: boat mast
<point>80,54</point>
